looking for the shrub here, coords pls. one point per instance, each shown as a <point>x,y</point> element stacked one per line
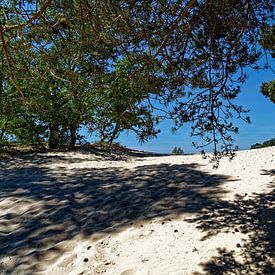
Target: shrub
<point>267,143</point>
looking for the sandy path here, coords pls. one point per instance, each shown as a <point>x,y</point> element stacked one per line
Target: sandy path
<point>76,213</point>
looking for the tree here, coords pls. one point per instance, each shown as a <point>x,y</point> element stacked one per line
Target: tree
<point>177,151</point>
<point>268,43</point>
<point>55,77</point>
<point>268,90</point>
<point>267,143</point>
<point>121,104</point>
<point>197,49</point>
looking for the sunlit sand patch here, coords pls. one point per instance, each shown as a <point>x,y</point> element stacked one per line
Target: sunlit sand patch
<point>70,213</point>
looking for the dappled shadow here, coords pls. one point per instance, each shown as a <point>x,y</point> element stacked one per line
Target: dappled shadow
<point>116,152</point>
<point>43,207</point>
<point>255,217</point>
<point>35,159</point>
<point>269,172</point>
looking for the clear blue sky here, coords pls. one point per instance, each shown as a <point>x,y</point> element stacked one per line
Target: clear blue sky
<point>262,114</point>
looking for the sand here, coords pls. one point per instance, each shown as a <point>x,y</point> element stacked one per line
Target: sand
<point>81,213</point>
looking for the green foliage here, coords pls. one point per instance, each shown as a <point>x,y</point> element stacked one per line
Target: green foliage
<point>268,43</point>
<point>267,143</point>
<point>177,151</point>
<point>22,128</point>
<point>117,66</point>
<point>120,105</point>
<point>268,39</point>
<point>268,90</point>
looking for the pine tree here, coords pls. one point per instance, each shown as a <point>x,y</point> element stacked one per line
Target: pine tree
<point>191,63</point>
<point>268,90</point>
<point>175,150</point>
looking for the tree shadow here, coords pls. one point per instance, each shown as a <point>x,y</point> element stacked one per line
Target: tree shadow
<point>116,152</point>
<point>255,217</point>
<point>42,208</point>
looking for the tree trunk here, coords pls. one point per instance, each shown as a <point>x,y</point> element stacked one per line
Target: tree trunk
<point>114,135</point>
<point>73,137</point>
<point>54,138</point>
<point>2,132</point>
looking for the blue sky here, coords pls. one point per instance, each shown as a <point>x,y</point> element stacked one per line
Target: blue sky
<point>262,114</point>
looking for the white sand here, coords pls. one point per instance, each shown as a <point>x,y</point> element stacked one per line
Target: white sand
<point>77,213</point>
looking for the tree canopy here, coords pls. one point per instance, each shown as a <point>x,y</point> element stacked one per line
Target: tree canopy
<point>267,143</point>
<point>268,90</point>
<point>126,65</point>
<point>177,151</point>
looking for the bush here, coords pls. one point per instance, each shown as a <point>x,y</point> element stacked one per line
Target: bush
<point>267,143</point>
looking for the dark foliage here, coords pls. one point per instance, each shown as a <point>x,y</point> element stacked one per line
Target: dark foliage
<point>185,61</point>
<point>267,143</point>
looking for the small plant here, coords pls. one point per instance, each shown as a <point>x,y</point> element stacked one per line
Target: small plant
<point>177,151</point>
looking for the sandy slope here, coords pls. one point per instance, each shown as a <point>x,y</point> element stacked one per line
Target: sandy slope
<point>77,213</point>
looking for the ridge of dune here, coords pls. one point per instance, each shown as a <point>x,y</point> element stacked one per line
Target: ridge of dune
<point>78,213</point>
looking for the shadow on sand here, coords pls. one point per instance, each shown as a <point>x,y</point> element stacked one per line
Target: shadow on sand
<point>255,217</point>
<point>116,152</point>
<point>43,207</point>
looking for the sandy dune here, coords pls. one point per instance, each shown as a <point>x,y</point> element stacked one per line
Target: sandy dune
<point>78,213</point>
